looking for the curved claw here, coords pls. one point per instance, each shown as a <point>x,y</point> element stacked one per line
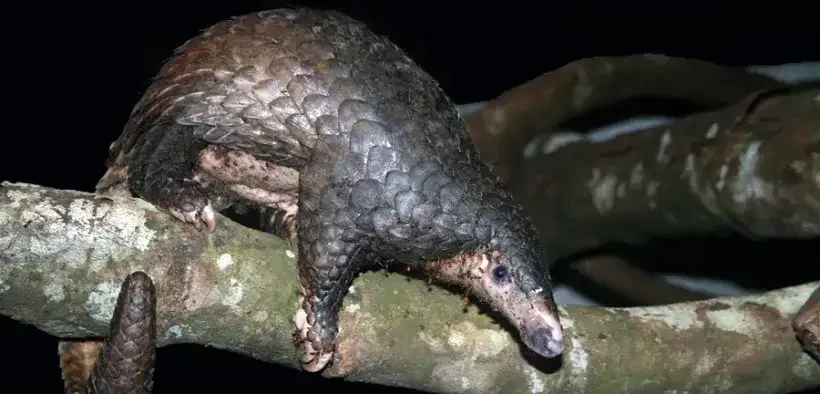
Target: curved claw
<point>313,360</point>
<point>197,217</point>
<point>209,217</point>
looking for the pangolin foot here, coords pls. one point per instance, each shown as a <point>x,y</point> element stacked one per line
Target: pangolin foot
<point>280,222</point>
<point>186,200</point>
<point>313,360</point>
<point>309,351</point>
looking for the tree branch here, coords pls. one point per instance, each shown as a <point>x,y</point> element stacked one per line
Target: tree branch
<point>750,167</point>
<point>637,286</point>
<point>64,254</point>
<point>506,124</point>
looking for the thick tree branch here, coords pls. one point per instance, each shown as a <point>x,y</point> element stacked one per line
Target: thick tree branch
<point>507,123</point>
<point>807,324</point>
<point>63,255</point>
<point>751,167</point>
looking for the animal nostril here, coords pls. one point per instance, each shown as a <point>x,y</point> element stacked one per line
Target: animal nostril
<point>544,342</point>
<point>541,338</point>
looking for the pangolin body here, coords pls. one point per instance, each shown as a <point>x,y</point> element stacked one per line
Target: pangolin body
<point>348,144</point>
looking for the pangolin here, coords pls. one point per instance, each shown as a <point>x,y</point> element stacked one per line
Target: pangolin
<point>353,150</point>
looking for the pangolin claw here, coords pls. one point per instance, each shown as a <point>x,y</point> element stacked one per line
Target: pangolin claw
<point>188,203</point>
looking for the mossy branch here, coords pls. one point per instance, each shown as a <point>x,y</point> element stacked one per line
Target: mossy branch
<point>63,255</point>
<point>507,123</point>
<point>749,168</point>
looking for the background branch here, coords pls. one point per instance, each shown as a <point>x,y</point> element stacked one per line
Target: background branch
<point>636,286</point>
<point>748,168</point>
<point>64,254</point>
<point>507,123</point>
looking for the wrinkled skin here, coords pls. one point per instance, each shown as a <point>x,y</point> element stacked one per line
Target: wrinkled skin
<point>345,142</point>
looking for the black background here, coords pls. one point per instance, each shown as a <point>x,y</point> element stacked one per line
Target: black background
<point>72,73</point>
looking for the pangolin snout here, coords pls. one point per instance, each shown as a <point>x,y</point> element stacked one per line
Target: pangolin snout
<point>547,342</point>
<point>541,330</point>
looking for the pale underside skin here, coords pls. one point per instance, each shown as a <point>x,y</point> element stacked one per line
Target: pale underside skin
<point>272,188</point>
<point>252,179</point>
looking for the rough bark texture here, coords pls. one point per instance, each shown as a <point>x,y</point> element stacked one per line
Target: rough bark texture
<point>63,255</point>
<point>807,324</point>
<point>508,122</point>
<point>750,168</point>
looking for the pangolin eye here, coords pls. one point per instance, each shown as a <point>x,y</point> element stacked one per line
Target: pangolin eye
<point>501,273</point>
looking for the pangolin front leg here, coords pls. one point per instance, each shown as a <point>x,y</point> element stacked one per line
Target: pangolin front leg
<point>164,175</point>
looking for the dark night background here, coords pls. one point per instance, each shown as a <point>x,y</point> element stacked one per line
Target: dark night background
<point>72,73</point>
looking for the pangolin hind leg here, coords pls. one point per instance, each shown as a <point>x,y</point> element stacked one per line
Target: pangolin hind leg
<point>280,221</point>
<point>163,173</point>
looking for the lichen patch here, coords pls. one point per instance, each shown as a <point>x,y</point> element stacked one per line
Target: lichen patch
<point>535,381</point>
<point>224,261</point>
<point>636,175</point>
<point>435,343</point>
<point>559,140</point>
<point>666,140</point>
<point>113,230</point>
<point>788,301</point>
<point>353,308</point>
<point>233,295</point>
<point>176,331</point>
<point>465,337</point>
<point>704,365</point>
<point>260,316</point>
<point>578,363</point>
<point>54,292</point>
<point>102,300</point>
<point>531,148</point>
<point>44,210</point>
<point>748,184</point>
<point>652,188</point>
<point>456,339</point>
<point>17,197</point>
<point>498,116</point>
<point>465,375</point>
<point>603,190</point>
<point>490,343</point>
<point>677,318</point>
<point>736,320</point>
<point>566,318</point>
<point>805,367</point>
<point>712,132</point>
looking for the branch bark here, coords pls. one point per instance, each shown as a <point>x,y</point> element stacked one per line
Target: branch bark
<point>751,167</point>
<point>63,255</point>
<point>507,123</point>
